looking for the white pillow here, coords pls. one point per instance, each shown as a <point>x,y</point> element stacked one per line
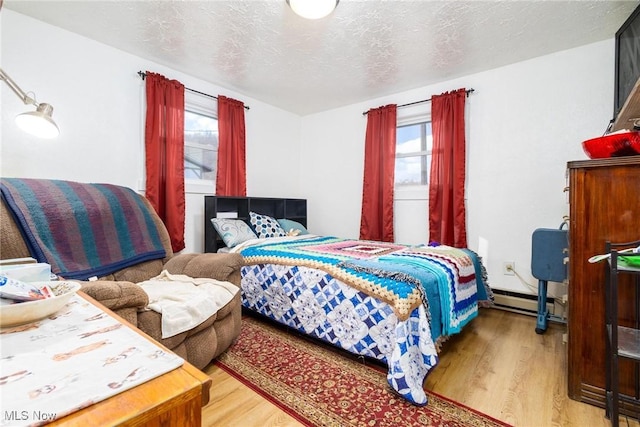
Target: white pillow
<point>266,226</point>
<point>233,231</point>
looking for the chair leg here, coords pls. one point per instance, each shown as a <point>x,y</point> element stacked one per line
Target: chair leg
<point>543,313</point>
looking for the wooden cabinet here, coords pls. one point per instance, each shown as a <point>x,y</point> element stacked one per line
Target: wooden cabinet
<point>604,206</point>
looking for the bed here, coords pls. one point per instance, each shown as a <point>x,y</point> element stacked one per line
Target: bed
<point>391,302</point>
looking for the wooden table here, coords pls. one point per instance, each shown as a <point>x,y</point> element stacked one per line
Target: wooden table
<point>173,399</point>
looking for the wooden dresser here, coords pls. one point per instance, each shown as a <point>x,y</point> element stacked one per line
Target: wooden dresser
<point>604,197</point>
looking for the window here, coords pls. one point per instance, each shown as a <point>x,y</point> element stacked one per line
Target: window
<point>414,143</point>
<point>200,145</point>
<point>200,141</point>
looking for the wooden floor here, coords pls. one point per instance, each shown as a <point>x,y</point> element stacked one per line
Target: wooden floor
<point>498,366</point>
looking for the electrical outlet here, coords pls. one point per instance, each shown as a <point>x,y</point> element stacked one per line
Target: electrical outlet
<point>509,268</point>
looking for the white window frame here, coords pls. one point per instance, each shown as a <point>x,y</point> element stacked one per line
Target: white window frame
<point>208,107</point>
<point>412,192</point>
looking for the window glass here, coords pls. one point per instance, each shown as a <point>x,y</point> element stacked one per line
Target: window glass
<point>200,145</point>
<point>413,154</point>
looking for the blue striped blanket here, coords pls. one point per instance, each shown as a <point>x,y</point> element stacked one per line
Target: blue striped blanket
<point>82,230</point>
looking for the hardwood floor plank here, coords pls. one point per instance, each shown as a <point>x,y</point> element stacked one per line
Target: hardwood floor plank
<point>234,404</point>
<point>498,365</point>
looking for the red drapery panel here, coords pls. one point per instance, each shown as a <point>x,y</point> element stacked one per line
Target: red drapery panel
<point>164,153</point>
<point>376,222</point>
<point>231,175</point>
<point>447,214</point>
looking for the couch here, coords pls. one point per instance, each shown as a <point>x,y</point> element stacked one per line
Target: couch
<point>120,293</point>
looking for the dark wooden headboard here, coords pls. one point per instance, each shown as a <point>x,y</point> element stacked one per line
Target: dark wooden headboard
<point>228,206</point>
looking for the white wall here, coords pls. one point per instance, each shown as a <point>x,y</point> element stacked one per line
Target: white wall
<point>525,121</point>
<point>99,105</point>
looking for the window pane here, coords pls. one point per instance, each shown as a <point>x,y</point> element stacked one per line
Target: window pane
<point>200,163</point>
<point>412,170</point>
<point>413,154</point>
<point>408,139</point>
<point>201,146</point>
<point>428,137</point>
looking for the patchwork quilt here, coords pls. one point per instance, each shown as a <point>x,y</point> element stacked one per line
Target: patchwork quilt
<point>391,302</point>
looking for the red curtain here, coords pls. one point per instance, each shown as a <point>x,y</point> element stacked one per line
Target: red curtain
<point>164,153</point>
<point>376,222</point>
<point>231,175</point>
<point>447,214</point>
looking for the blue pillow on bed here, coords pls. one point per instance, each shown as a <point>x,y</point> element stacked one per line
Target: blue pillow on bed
<point>265,226</point>
<point>289,225</point>
<point>233,231</point>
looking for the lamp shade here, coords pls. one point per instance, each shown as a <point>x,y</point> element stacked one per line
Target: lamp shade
<point>312,9</point>
<point>39,122</point>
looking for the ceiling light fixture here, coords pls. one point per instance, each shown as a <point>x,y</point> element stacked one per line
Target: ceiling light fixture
<point>312,9</point>
<point>39,122</point>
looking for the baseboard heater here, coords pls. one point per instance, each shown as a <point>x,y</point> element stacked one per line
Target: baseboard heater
<point>520,303</point>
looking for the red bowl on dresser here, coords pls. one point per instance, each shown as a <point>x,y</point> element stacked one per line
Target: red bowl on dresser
<point>613,145</point>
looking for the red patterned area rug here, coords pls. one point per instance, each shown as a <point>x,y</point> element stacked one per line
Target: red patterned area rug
<point>320,386</point>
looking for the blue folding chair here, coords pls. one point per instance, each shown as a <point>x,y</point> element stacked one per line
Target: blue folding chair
<point>548,252</point>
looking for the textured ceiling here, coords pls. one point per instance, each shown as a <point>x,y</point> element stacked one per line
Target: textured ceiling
<point>364,49</point>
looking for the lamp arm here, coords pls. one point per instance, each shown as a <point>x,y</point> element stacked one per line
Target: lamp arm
<point>16,89</point>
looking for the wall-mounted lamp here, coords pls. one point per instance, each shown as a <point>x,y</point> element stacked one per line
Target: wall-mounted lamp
<point>39,122</point>
<point>312,9</point>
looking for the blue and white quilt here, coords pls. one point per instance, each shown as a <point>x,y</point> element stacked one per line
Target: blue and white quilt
<point>392,302</point>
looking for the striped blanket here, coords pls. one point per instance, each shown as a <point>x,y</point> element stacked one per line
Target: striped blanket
<point>82,230</point>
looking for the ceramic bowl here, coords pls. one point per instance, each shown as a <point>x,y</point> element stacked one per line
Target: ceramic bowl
<point>617,144</point>
<point>31,311</point>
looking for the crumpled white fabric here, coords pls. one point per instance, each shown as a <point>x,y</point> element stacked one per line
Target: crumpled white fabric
<point>186,302</point>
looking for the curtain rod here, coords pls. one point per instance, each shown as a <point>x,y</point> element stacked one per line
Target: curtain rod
<point>142,75</point>
<point>468,91</point>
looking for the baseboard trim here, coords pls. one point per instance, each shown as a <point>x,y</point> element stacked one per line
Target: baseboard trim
<point>520,303</point>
